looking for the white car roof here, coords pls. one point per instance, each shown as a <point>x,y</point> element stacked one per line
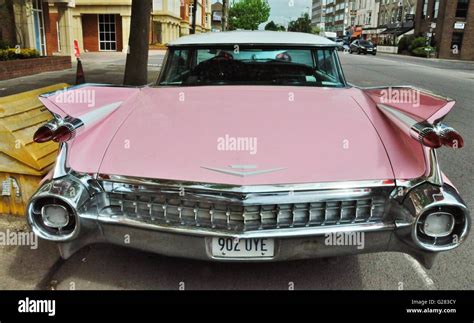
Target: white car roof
<point>253,37</point>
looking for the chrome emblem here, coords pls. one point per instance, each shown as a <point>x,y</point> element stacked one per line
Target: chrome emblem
<point>243,170</point>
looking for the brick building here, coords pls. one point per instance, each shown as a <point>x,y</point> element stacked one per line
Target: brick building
<point>98,25</point>
<point>449,24</point>
<point>203,15</point>
<point>7,23</point>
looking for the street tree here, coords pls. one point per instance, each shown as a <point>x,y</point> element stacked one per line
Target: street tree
<point>316,30</point>
<point>302,24</point>
<point>136,66</point>
<point>248,14</point>
<point>275,27</point>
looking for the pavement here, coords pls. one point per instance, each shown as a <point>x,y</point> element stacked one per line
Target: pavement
<point>24,267</point>
<point>107,68</point>
<point>112,267</point>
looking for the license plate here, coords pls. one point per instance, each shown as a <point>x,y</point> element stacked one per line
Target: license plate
<point>243,248</point>
<point>369,49</point>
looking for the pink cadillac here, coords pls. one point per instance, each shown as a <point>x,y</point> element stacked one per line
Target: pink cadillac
<point>251,146</point>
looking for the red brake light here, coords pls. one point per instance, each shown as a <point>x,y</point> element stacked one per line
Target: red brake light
<point>452,138</point>
<point>430,139</point>
<point>43,134</point>
<point>63,133</point>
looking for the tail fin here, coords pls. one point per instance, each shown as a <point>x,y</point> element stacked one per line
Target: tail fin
<point>418,113</point>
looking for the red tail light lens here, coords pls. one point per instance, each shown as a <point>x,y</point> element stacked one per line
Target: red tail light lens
<point>43,134</point>
<point>451,138</point>
<point>63,133</point>
<point>430,139</point>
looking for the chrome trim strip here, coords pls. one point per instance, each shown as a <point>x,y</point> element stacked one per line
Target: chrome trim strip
<point>268,198</point>
<point>399,115</point>
<point>271,233</point>
<point>433,172</point>
<point>79,86</point>
<point>243,174</point>
<point>245,189</point>
<point>60,169</point>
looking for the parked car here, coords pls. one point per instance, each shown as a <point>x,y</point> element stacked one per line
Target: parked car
<point>341,43</point>
<point>361,46</point>
<point>251,146</point>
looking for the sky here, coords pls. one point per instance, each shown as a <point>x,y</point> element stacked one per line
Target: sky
<point>282,11</point>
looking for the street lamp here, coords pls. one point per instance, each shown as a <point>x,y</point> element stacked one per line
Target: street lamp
<point>194,9</point>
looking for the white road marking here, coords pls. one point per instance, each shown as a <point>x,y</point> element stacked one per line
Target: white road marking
<point>421,272</point>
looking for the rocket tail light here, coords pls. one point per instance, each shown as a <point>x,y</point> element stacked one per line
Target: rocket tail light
<point>429,135</point>
<point>66,129</point>
<point>450,137</point>
<point>59,132</point>
<point>45,133</point>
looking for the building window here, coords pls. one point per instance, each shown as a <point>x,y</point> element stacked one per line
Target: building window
<point>38,25</point>
<point>59,36</point>
<point>425,9</point>
<point>107,33</point>
<point>436,9</point>
<point>456,41</point>
<point>394,16</point>
<point>461,10</point>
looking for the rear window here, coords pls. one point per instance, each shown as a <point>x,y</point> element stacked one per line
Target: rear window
<point>252,66</point>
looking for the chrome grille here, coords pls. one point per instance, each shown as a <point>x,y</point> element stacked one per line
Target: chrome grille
<point>195,209</point>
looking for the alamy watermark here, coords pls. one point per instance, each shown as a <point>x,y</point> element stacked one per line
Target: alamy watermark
<point>17,238</point>
<point>28,305</point>
<point>345,239</point>
<point>401,95</point>
<point>229,143</point>
<point>78,96</point>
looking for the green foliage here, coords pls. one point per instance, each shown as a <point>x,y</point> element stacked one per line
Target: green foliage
<point>275,27</point>
<point>302,24</point>
<point>404,43</point>
<point>423,51</point>
<point>12,53</point>
<point>417,43</point>
<point>5,45</point>
<point>316,30</point>
<point>248,14</point>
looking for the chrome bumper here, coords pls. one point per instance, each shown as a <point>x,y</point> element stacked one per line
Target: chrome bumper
<point>199,247</point>
<point>395,231</point>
